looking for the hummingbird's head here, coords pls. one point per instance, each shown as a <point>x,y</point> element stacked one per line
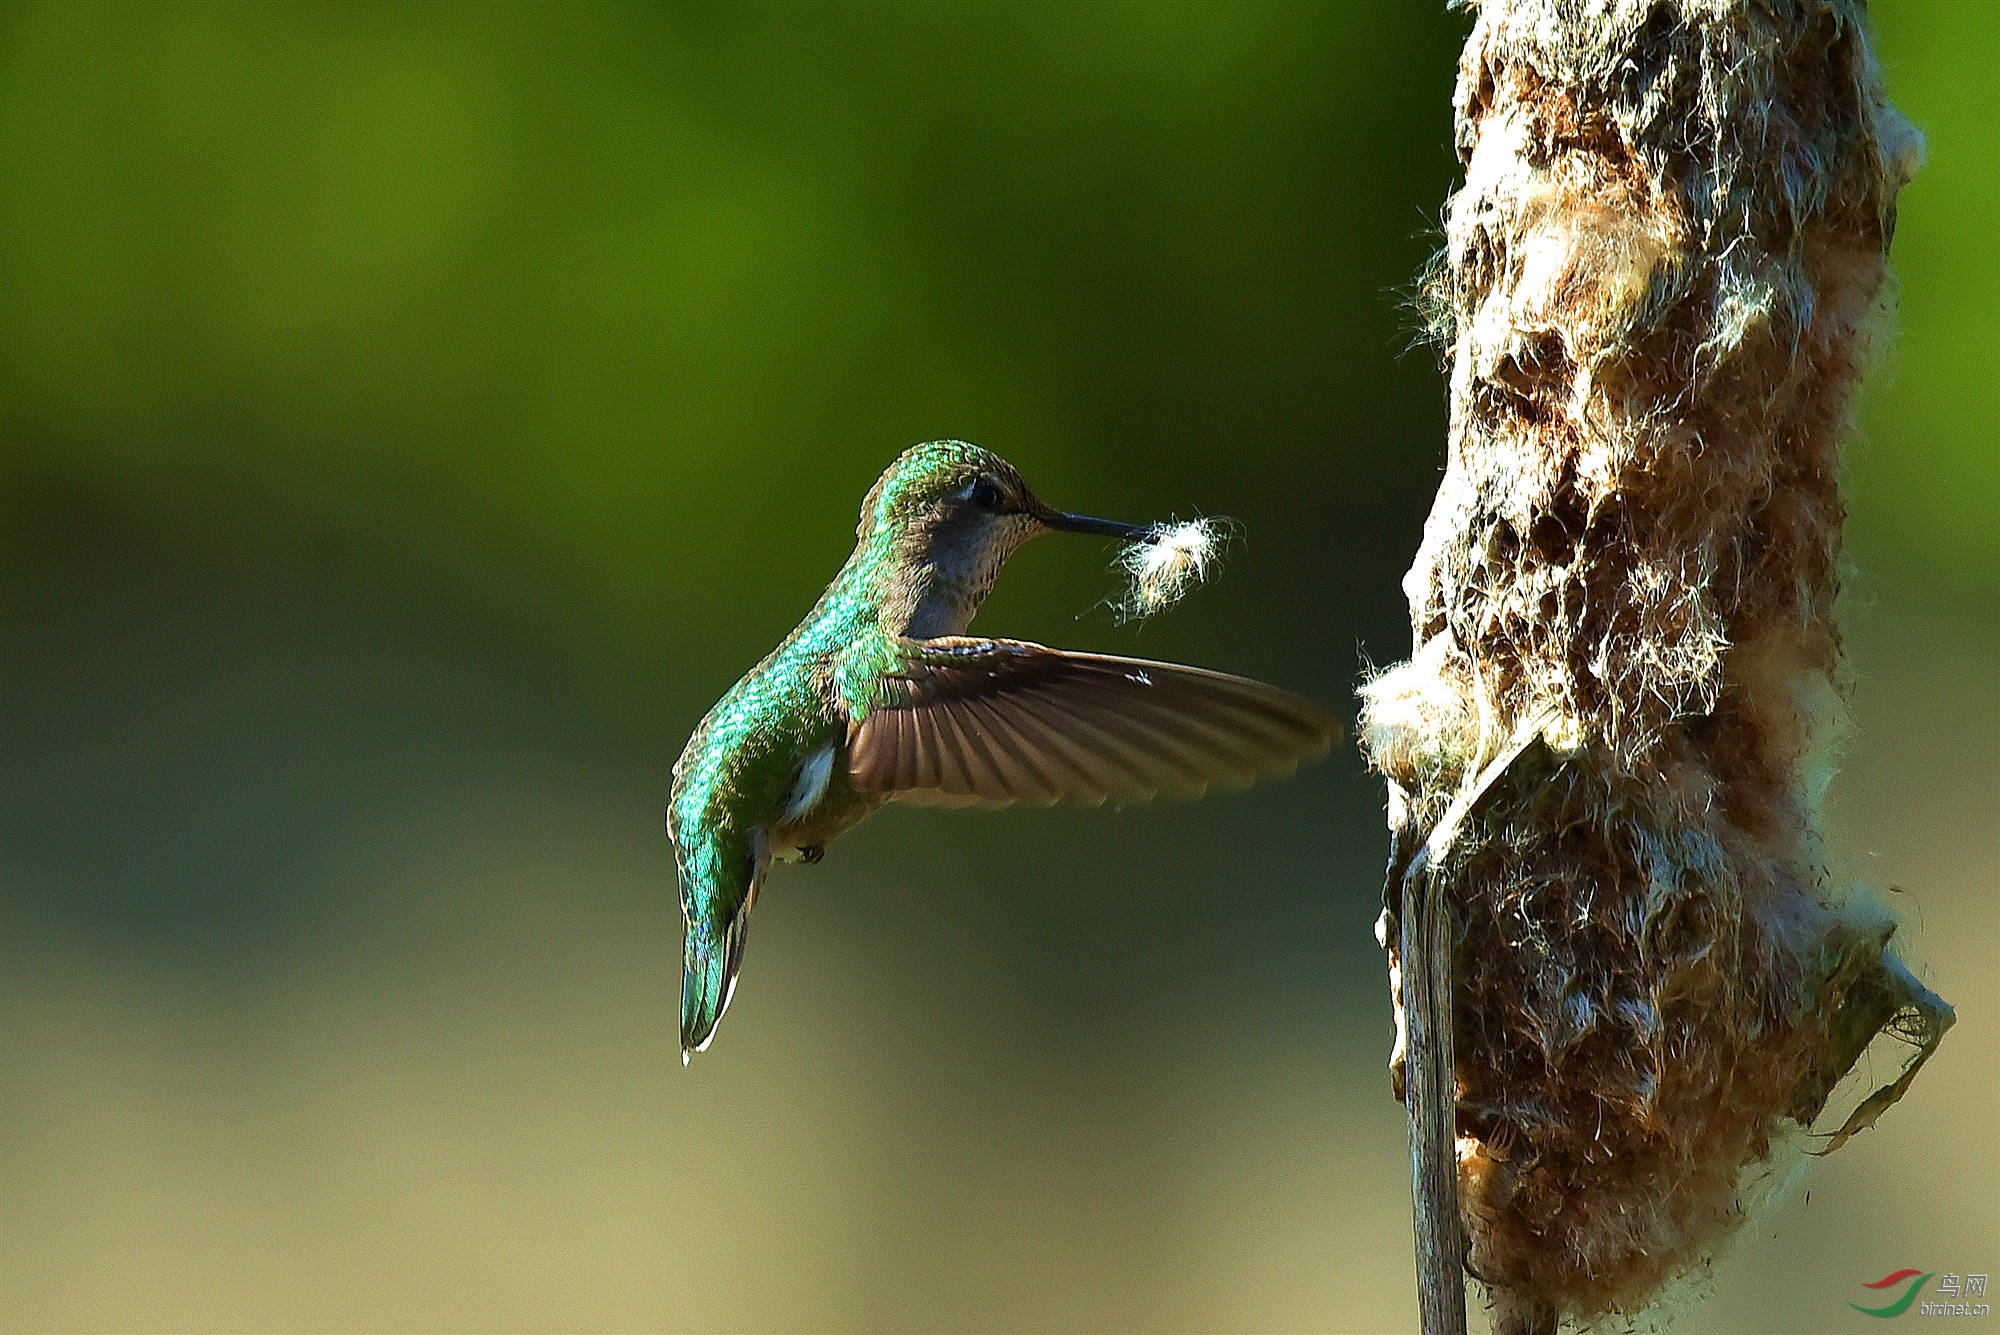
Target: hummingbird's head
<point>956,512</point>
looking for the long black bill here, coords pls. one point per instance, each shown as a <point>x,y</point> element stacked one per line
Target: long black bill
<point>1104,528</point>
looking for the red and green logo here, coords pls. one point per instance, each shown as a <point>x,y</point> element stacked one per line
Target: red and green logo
<point>1911,1281</point>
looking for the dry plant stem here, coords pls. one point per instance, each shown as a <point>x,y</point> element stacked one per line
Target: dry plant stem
<point>1431,1097</point>
<point>1430,1085</point>
<point>1663,280</point>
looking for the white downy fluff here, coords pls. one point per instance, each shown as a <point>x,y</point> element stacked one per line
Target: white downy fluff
<point>1166,563</point>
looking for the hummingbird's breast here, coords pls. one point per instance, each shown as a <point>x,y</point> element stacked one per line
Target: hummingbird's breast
<point>943,609</point>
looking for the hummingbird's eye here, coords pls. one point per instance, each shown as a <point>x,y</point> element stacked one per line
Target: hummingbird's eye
<point>986,495</point>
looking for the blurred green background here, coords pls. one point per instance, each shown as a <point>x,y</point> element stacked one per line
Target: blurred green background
<point>413,417</point>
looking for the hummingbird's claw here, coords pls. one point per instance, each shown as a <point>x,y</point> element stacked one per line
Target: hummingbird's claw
<point>812,853</point>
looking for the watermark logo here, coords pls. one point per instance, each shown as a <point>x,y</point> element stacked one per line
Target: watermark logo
<point>1911,1280</point>
<point>1907,1285</point>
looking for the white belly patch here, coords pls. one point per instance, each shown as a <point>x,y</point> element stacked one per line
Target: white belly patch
<point>809,785</point>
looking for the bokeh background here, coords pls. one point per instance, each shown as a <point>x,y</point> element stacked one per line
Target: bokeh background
<point>411,419</point>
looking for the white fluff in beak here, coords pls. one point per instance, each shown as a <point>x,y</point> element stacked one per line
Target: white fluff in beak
<point>1166,563</point>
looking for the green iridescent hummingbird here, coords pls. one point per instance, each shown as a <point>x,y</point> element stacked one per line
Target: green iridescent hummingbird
<point>879,695</point>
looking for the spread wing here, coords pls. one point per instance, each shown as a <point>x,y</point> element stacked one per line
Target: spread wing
<point>992,722</point>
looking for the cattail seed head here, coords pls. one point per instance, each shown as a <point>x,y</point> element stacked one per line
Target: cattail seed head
<point>1663,279</point>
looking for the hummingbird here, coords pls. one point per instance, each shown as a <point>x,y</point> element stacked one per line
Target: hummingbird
<point>879,695</point>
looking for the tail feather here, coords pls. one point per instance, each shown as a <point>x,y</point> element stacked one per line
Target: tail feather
<point>708,981</point>
<point>718,924</point>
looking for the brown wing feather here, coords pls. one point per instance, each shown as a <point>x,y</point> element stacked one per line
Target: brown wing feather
<point>994,722</point>
<point>1022,778</point>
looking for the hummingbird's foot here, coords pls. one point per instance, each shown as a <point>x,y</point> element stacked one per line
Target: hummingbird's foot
<point>812,853</point>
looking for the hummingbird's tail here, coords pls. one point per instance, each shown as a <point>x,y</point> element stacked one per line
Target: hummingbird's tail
<point>708,979</point>
<point>718,889</point>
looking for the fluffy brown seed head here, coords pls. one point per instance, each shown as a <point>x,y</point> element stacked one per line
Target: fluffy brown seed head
<point>1664,277</point>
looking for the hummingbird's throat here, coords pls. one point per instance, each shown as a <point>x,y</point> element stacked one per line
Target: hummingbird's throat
<point>956,570</point>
